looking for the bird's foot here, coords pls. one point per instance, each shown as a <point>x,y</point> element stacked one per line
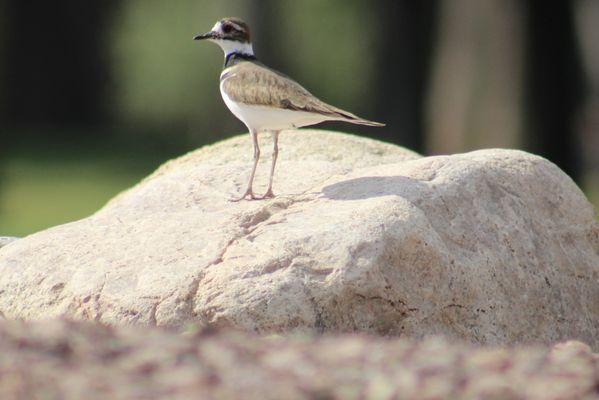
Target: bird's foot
<point>248,193</point>
<point>268,195</point>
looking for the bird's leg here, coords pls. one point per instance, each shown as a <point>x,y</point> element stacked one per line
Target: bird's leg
<point>248,192</point>
<point>275,154</point>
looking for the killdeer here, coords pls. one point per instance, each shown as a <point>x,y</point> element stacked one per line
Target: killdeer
<point>263,99</point>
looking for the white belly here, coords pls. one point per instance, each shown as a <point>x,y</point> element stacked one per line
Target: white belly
<point>261,118</point>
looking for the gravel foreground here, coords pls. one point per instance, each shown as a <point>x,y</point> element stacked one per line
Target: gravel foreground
<point>81,360</point>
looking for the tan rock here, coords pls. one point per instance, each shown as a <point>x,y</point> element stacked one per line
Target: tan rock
<point>494,246</point>
<point>5,240</point>
<point>65,360</point>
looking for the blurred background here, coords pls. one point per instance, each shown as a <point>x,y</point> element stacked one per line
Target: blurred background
<point>96,94</point>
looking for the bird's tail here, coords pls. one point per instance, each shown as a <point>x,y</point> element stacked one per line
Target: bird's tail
<point>360,121</point>
<point>354,119</point>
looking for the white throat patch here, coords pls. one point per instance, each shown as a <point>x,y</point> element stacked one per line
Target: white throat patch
<point>230,46</point>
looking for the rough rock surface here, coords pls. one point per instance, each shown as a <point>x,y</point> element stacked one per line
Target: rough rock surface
<point>61,360</point>
<point>493,246</point>
<point>4,240</point>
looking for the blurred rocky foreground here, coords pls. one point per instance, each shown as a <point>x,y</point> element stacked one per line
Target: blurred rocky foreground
<point>82,360</point>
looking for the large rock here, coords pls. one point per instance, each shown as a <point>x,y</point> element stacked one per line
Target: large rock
<point>4,240</point>
<point>60,360</point>
<point>493,246</point>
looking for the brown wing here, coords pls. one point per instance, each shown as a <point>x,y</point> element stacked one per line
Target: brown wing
<point>254,84</point>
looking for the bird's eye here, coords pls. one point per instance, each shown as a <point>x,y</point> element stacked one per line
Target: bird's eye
<point>227,28</point>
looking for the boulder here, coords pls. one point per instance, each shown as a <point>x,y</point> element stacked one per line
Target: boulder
<point>4,240</point>
<point>493,246</point>
<point>66,360</point>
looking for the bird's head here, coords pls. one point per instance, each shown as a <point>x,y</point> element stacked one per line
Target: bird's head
<point>231,34</point>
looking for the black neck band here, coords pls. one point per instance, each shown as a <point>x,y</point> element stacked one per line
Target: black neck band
<point>234,56</point>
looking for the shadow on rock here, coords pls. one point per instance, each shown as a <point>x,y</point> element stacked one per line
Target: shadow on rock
<point>374,186</point>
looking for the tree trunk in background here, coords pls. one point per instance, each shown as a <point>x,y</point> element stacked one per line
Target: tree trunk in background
<point>4,27</point>
<point>406,31</point>
<point>588,30</point>
<point>555,84</point>
<point>55,71</point>
<point>476,92</point>
<point>264,23</point>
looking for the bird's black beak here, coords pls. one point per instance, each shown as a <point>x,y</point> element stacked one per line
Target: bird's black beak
<point>208,35</point>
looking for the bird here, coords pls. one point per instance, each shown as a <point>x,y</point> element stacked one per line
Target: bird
<point>263,99</point>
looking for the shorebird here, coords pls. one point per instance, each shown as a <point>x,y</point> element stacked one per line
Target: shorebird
<point>263,99</point>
